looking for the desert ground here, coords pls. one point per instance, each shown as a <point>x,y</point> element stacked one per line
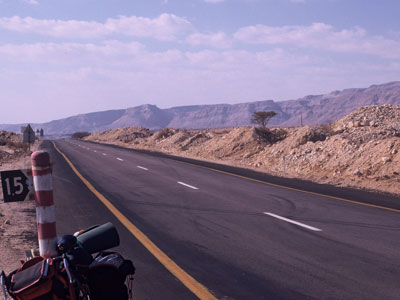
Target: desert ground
<point>360,150</point>
<point>17,220</point>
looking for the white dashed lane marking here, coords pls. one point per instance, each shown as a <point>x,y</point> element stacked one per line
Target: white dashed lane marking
<point>187,185</point>
<point>292,222</point>
<point>143,168</point>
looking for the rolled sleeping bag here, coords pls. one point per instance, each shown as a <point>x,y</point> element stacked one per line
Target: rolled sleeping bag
<point>99,238</point>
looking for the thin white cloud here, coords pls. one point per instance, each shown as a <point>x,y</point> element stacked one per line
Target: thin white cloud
<point>164,27</point>
<point>214,40</point>
<point>214,1</point>
<point>56,54</point>
<point>110,54</point>
<point>33,2</point>
<point>321,36</point>
<point>120,74</point>
<point>114,70</point>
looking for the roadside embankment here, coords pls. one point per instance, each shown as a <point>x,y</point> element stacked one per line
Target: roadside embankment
<point>361,150</point>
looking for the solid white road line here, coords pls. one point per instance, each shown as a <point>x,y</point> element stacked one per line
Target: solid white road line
<point>120,159</point>
<point>94,151</point>
<point>104,154</point>
<point>293,222</point>
<point>187,185</point>
<point>143,168</point>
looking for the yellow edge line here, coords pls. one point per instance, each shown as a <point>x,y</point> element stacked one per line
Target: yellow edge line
<point>194,286</point>
<point>290,188</point>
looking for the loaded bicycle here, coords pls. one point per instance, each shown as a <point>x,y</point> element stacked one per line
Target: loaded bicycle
<point>75,274</point>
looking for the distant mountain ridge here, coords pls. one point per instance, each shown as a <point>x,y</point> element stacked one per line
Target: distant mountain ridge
<point>312,109</point>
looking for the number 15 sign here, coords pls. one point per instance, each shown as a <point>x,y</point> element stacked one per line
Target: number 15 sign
<point>17,185</point>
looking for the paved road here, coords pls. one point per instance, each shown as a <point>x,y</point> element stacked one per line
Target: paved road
<point>240,238</point>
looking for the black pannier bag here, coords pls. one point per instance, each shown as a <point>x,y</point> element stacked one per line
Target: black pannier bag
<point>35,280</point>
<point>107,275</point>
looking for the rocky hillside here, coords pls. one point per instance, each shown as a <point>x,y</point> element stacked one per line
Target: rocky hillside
<point>360,150</point>
<point>312,110</point>
<point>11,146</point>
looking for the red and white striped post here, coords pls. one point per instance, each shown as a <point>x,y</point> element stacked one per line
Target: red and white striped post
<point>45,216</point>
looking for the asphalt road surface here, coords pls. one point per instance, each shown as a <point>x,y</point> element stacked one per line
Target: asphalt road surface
<point>239,238</point>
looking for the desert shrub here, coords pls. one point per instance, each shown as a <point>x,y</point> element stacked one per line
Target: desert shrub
<point>11,144</point>
<point>318,133</point>
<point>328,129</point>
<point>184,148</point>
<point>182,138</point>
<point>3,142</point>
<point>268,136</point>
<point>163,133</point>
<point>280,134</point>
<point>4,154</point>
<point>17,145</point>
<point>141,134</point>
<point>198,139</point>
<point>313,135</point>
<point>195,140</point>
<point>21,146</point>
<point>130,136</point>
<point>262,117</point>
<point>124,137</point>
<point>80,134</point>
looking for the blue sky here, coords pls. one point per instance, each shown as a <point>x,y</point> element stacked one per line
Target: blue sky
<point>64,57</point>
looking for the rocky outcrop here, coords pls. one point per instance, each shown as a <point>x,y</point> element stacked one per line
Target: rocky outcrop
<point>11,146</point>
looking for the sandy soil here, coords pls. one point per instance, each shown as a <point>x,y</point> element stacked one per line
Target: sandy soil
<point>17,220</point>
<point>362,150</point>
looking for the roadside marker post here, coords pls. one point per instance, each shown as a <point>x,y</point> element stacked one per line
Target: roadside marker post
<point>284,164</point>
<point>45,215</point>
